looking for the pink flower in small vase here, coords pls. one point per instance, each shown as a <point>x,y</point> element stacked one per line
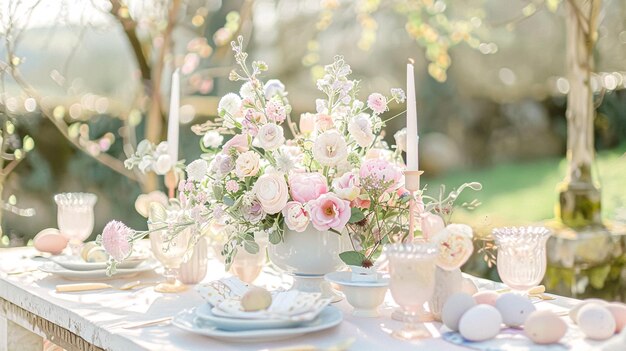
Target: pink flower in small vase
<point>117,240</point>
<point>431,225</point>
<point>295,216</point>
<point>329,211</point>
<point>307,186</point>
<point>239,142</point>
<point>377,102</point>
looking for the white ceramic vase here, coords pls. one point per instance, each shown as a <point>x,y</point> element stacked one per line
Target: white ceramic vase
<point>195,269</point>
<point>307,256</point>
<point>446,284</point>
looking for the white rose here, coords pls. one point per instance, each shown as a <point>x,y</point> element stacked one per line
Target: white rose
<point>330,148</point>
<point>162,148</point>
<point>197,169</point>
<point>229,105</point>
<point>360,128</point>
<point>162,164</point>
<point>400,137</point>
<point>273,87</point>
<point>270,137</point>
<point>212,139</point>
<point>455,246</point>
<point>295,216</point>
<point>272,192</point>
<point>247,164</point>
<point>247,91</point>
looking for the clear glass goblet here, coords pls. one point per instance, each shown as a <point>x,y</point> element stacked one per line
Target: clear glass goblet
<point>75,217</point>
<point>412,283</point>
<point>170,250</point>
<point>521,258</point>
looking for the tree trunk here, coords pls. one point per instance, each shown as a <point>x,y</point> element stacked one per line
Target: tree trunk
<point>579,193</point>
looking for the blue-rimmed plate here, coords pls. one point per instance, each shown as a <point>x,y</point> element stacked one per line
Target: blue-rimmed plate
<point>237,324</point>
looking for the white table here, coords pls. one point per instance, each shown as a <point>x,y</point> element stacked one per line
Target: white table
<point>31,309</point>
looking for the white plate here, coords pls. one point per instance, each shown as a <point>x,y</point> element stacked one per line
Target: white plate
<point>99,274</point>
<point>345,278</point>
<point>76,263</point>
<point>238,324</point>
<point>187,320</point>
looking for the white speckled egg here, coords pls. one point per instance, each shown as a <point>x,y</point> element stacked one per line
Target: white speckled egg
<point>618,310</point>
<point>514,309</point>
<point>544,327</point>
<point>454,308</point>
<point>50,240</point>
<point>596,322</point>
<point>479,323</point>
<point>487,297</point>
<point>574,311</point>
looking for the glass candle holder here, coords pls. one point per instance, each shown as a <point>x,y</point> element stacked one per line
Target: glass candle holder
<point>412,283</point>
<point>75,217</point>
<point>521,258</point>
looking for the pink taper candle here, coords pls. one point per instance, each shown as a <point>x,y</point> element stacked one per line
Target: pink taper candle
<point>412,158</point>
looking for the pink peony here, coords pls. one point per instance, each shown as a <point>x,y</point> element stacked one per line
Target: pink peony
<point>295,216</point>
<point>381,171</point>
<point>238,142</point>
<point>347,186</point>
<point>307,186</point>
<point>377,102</point>
<point>117,240</point>
<point>329,211</point>
<point>431,225</point>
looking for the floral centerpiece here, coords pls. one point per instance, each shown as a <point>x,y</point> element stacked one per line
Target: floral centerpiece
<point>331,171</point>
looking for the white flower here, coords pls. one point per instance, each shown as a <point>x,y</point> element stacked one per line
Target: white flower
<point>360,128</point>
<point>270,137</point>
<point>162,148</point>
<point>247,91</point>
<point>272,192</point>
<point>284,162</point>
<point>144,147</point>
<point>229,106</point>
<point>330,148</point>
<point>295,216</point>
<point>273,87</point>
<point>197,169</point>
<point>162,164</point>
<point>247,164</point>
<point>212,139</point>
<point>400,137</point>
<point>144,165</point>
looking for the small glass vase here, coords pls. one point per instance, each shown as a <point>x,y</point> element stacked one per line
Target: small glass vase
<point>195,269</point>
<point>170,251</point>
<point>521,259</point>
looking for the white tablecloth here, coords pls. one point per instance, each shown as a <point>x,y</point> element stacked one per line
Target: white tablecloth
<point>99,316</point>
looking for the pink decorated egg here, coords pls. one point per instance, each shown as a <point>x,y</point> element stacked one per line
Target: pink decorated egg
<point>50,240</point>
<point>618,310</point>
<point>487,297</point>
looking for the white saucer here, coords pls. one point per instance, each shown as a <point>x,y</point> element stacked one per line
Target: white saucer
<point>99,274</point>
<point>345,278</point>
<point>76,263</point>
<point>239,324</point>
<point>187,320</point>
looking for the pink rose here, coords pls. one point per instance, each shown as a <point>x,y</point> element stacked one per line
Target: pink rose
<point>272,192</point>
<point>323,122</point>
<point>307,186</point>
<point>295,216</point>
<point>347,186</point>
<point>238,142</point>
<point>117,240</point>
<point>307,123</point>
<point>431,225</point>
<point>329,211</point>
<point>382,171</point>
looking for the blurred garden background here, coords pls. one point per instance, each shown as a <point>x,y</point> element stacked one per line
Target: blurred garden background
<point>82,81</point>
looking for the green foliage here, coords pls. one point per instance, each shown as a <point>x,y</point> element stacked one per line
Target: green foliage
<point>352,258</point>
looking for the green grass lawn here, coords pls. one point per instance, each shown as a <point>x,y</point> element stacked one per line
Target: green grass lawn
<point>523,193</point>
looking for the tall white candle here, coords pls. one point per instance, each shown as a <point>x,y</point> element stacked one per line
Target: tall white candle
<point>173,119</point>
<point>412,138</point>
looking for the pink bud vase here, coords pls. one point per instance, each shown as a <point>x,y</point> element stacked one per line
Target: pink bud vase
<point>195,269</point>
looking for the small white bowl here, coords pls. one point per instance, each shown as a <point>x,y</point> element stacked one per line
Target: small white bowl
<point>365,297</point>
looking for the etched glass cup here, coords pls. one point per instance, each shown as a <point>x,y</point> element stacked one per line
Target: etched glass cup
<point>412,283</point>
<point>75,217</point>
<point>170,247</point>
<point>521,256</point>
